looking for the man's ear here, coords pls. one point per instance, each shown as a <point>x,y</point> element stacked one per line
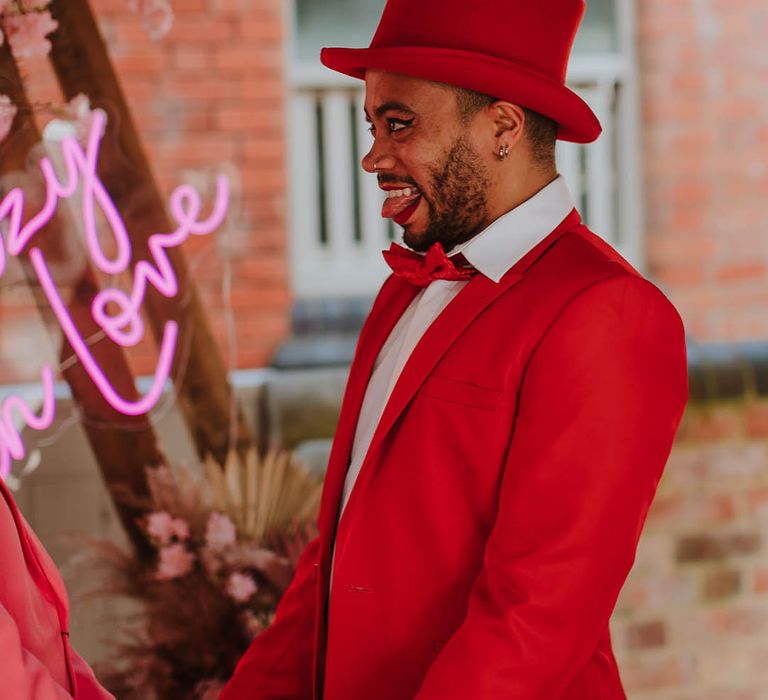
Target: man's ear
<point>509,122</point>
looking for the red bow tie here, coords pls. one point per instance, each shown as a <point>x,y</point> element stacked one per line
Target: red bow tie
<point>420,270</point>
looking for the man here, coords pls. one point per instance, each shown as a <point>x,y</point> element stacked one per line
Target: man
<point>509,410</point>
<point>36,660</point>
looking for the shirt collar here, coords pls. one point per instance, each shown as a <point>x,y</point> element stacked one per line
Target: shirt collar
<point>498,247</point>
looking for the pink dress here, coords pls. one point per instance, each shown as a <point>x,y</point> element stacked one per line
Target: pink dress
<point>36,660</point>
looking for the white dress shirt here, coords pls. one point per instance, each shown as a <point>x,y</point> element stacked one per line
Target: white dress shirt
<point>492,252</point>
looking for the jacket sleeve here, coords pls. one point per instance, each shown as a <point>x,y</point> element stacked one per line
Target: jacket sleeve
<point>599,405</point>
<point>278,664</point>
<point>24,677</point>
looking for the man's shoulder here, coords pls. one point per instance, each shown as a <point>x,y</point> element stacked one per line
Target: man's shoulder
<point>578,259</point>
<point>582,265</point>
<point>580,253</point>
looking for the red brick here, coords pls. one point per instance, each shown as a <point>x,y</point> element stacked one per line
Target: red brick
<point>721,584</point>
<point>134,64</point>
<point>261,266</point>
<point>203,87</point>
<point>200,29</point>
<point>269,152</point>
<point>193,7</point>
<point>104,7</point>
<point>682,274</point>
<point>259,181</point>
<point>679,510</point>
<point>761,581</point>
<point>744,271</point>
<point>657,671</point>
<point>737,621</point>
<point>757,500</point>
<point>715,423</point>
<point>262,90</point>
<point>646,635</point>
<point>129,35</point>
<point>261,30</point>
<point>203,150</point>
<point>757,420</point>
<point>254,121</point>
<point>674,247</point>
<point>253,60</point>
<point>192,58</point>
<point>242,8</point>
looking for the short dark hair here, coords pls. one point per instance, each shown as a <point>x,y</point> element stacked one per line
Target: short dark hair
<point>542,134</point>
<point>541,130</point>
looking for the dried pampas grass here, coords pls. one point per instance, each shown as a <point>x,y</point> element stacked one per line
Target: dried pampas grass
<point>226,543</point>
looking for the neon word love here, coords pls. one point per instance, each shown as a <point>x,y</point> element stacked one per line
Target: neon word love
<point>124,326</point>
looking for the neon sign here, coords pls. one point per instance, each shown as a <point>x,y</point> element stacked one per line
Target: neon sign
<point>124,327</point>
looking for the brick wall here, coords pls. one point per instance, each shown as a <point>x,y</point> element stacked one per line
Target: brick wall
<point>212,93</point>
<point>209,96</point>
<point>704,86</point>
<point>692,620</point>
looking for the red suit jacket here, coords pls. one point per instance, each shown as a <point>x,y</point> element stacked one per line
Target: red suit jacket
<point>498,510</point>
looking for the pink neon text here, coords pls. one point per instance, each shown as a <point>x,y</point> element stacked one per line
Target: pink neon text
<point>125,327</point>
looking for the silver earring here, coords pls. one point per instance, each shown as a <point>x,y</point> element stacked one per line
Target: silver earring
<point>503,151</point>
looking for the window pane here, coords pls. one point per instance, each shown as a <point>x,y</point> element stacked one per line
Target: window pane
<point>321,23</point>
<point>598,30</point>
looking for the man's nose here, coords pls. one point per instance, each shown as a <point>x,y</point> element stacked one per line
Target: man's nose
<point>377,159</point>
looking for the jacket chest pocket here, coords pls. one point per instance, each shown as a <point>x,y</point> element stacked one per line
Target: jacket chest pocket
<point>463,393</point>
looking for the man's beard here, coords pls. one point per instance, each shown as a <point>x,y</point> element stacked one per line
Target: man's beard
<point>457,201</point>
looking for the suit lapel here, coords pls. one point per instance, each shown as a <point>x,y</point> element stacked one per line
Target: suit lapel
<point>471,301</point>
<point>479,293</point>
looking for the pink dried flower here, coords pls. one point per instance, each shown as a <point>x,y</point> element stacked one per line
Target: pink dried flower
<point>27,34</point>
<point>163,527</point>
<point>174,562</point>
<point>240,587</point>
<point>160,527</point>
<point>180,529</point>
<point>220,532</point>
<point>7,114</point>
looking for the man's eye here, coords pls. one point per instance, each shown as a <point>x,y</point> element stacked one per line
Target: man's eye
<point>393,125</point>
<point>398,124</point>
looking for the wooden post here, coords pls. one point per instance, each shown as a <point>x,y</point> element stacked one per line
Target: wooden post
<point>122,445</point>
<point>82,64</point>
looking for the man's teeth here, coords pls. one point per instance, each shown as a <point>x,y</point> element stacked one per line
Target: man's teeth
<point>407,192</point>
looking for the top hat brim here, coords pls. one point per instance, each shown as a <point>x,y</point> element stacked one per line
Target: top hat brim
<point>481,73</point>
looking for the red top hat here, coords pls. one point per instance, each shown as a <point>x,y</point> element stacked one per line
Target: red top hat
<point>515,50</point>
